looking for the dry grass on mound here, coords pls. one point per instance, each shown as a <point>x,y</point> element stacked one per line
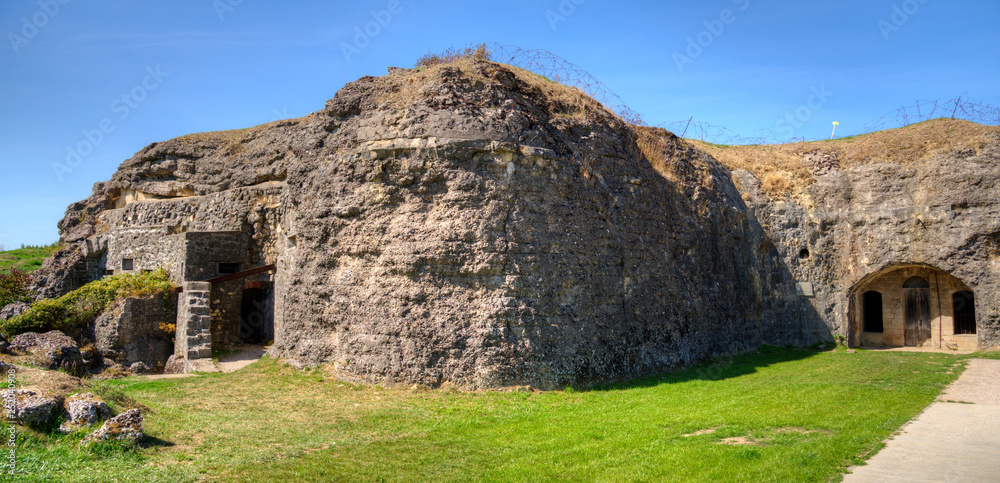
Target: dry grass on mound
<point>237,135</point>
<point>782,174</point>
<point>558,99</point>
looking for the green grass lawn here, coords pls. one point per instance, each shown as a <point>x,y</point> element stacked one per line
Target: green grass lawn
<point>807,414</point>
<point>25,259</point>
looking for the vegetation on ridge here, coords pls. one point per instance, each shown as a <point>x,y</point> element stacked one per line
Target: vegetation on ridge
<point>14,287</point>
<point>83,304</point>
<point>451,54</point>
<point>28,258</point>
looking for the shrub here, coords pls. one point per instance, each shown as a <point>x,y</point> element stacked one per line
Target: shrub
<point>85,303</point>
<point>14,287</point>
<point>477,52</point>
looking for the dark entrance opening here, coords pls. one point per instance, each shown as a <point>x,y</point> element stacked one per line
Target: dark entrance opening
<point>917,311</point>
<point>965,312</point>
<point>872,305</point>
<point>257,314</point>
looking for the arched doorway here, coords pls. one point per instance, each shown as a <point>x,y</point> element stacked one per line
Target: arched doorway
<point>917,311</point>
<point>914,306</point>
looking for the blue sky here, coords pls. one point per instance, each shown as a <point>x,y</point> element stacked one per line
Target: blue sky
<point>207,65</point>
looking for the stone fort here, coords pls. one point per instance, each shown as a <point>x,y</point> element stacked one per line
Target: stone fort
<point>477,225</point>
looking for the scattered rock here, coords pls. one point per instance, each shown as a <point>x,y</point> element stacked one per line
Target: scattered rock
<point>822,163</point>
<point>91,357</point>
<point>13,310</point>
<point>32,408</point>
<point>175,365</point>
<point>84,410</point>
<point>852,351</point>
<point>125,427</point>
<point>53,349</point>
<point>140,368</point>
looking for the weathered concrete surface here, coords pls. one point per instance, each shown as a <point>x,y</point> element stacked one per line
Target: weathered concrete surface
<point>246,355</point>
<point>949,441</point>
<point>129,332</point>
<point>861,222</point>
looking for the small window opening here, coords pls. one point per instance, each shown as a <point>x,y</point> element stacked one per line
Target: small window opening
<point>127,264</point>
<point>804,253</point>
<point>226,268</point>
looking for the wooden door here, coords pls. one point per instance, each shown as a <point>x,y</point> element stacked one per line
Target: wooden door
<point>917,311</point>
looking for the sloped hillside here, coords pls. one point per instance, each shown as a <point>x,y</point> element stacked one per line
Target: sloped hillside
<point>785,170</point>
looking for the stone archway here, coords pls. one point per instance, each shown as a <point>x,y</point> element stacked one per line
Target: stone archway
<point>912,305</point>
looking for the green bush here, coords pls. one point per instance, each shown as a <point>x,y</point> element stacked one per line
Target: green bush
<point>85,303</point>
<point>14,287</point>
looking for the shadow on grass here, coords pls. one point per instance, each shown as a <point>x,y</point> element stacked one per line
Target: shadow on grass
<point>154,442</point>
<point>718,369</point>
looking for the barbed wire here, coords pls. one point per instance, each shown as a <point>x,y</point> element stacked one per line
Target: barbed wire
<point>962,107</point>
<point>558,69</point>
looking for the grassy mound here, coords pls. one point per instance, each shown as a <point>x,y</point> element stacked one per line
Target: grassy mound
<point>27,259</point>
<point>83,304</point>
<point>783,175</point>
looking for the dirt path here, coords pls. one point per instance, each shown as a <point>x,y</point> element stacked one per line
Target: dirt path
<point>248,354</point>
<point>956,438</point>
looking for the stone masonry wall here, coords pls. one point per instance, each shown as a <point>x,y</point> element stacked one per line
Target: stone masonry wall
<point>890,285</point>
<point>194,338</point>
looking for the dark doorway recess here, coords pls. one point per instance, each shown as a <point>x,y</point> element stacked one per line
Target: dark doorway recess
<point>257,314</point>
<point>873,312</point>
<point>965,312</point>
<point>917,305</point>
